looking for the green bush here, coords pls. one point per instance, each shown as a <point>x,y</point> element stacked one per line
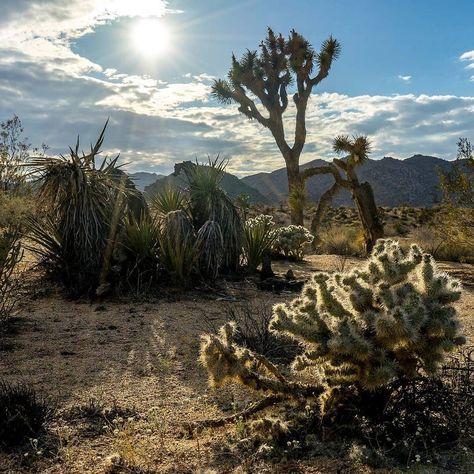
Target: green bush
<point>170,199</point>
<point>177,244</point>
<point>15,209</point>
<point>11,255</point>
<point>291,241</point>
<point>86,204</point>
<point>140,242</point>
<point>259,237</point>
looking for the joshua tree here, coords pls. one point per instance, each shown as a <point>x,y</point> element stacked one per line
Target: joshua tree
<point>267,76</point>
<point>356,150</point>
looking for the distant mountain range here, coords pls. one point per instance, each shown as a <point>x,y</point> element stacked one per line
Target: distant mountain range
<point>232,185</point>
<point>413,181</point>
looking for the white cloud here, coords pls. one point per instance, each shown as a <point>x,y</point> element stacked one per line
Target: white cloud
<point>469,57</point>
<point>58,93</point>
<point>404,78</point>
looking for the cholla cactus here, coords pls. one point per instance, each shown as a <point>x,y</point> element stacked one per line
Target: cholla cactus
<point>394,317</point>
<point>290,240</point>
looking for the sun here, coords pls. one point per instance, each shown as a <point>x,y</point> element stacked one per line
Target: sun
<point>150,37</point>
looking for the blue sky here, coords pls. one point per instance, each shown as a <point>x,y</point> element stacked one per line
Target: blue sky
<point>405,76</point>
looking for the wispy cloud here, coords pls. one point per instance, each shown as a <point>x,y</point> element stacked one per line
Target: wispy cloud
<point>404,78</point>
<point>469,57</point>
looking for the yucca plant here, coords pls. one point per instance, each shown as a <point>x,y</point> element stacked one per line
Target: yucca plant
<point>207,201</point>
<point>81,198</point>
<point>141,246</point>
<point>210,249</point>
<point>259,237</point>
<point>177,245</point>
<point>168,200</point>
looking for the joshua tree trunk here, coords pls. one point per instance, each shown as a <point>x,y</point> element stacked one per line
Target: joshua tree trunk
<point>295,182</point>
<point>368,213</point>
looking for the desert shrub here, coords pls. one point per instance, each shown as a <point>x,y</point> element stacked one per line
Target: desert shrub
<point>398,228</point>
<point>253,332</point>
<point>242,203</point>
<point>437,240</point>
<point>291,241</point>
<point>391,319</point>
<point>11,255</point>
<point>23,415</point>
<point>210,249</point>
<point>420,418</point>
<point>208,202</point>
<point>177,244</point>
<point>140,243</point>
<point>86,202</point>
<point>259,237</point>
<point>297,199</point>
<point>342,241</point>
<point>168,200</point>
<point>15,209</point>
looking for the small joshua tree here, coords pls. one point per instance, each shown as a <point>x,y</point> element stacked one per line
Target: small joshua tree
<point>391,319</point>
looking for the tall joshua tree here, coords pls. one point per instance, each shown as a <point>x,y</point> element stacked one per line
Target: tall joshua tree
<point>266,76</point>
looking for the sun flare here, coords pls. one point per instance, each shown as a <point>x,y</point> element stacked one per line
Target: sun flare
<point>150,37</point>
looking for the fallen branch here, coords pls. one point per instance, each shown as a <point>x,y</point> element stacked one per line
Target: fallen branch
<point>244,414</point>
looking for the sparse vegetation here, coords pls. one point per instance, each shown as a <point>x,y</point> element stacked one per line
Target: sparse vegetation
<point>11,255</point>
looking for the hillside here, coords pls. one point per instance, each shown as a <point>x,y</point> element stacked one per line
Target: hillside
<point>142,179</point>
<point>412,181</point>
<point>232,185</point>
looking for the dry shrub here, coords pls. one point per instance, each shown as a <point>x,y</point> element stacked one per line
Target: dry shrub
<point>342,241</point>
<point>11,255</point>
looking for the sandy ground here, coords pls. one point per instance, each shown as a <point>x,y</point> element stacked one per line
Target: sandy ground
<point>141,357</point>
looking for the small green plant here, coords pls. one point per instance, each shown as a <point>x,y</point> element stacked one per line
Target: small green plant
<point>259,236</point>
<point>170,199</point>
<point>210,249</point>
<point>141,245</point>
<point>291,241</point>
<point>177,245</point>
<point>23,415</point>
<point>11,255</point>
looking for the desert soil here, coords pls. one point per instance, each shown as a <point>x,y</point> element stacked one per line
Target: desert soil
<point>141,357</point>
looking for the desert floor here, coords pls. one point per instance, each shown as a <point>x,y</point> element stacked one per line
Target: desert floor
<point>140,359</point>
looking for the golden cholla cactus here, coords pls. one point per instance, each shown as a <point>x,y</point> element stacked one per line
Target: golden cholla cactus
<point>393,317</point>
